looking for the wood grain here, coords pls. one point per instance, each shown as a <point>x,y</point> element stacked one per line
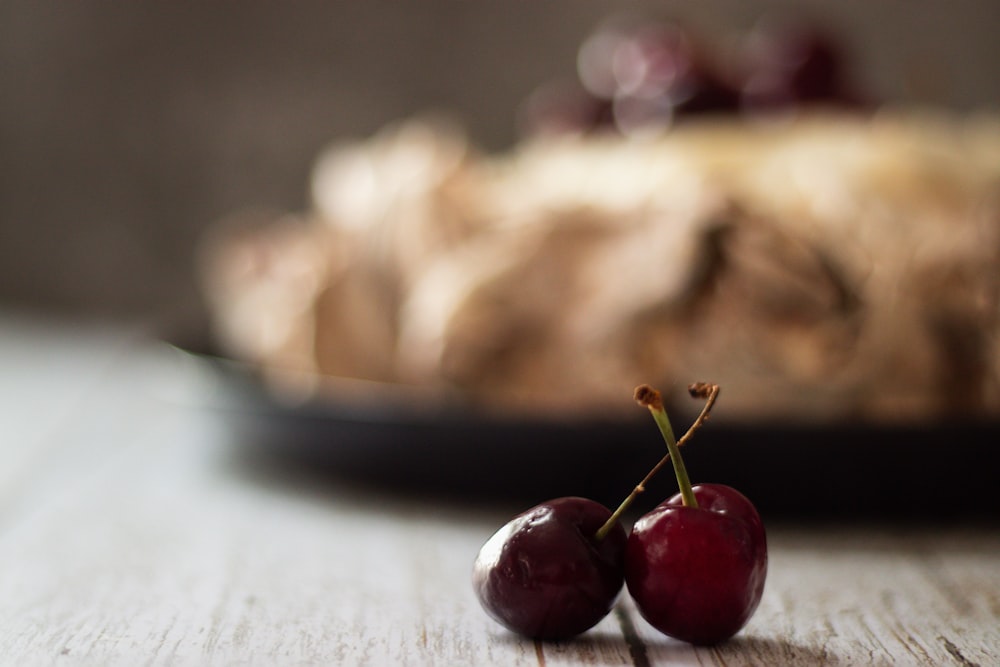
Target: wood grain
<point>132,533</point>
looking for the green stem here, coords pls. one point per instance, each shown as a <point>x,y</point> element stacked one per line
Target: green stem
<point>683,481</point>
<point>603,531</point>
<point>650,398</point>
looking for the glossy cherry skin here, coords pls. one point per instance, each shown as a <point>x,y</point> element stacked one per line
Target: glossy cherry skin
<point>697,574</point>
<point>544,575</point>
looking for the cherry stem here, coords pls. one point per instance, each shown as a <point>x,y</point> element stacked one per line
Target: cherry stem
<point>651,399</point>
<point>674,452</point>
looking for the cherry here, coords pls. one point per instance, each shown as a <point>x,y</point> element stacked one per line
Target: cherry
<point>793,65</point>
<point>547,574</point>
<point>556,570</point>
<point>696,564</point>
<point>652,73</point>
<point>697,573</point>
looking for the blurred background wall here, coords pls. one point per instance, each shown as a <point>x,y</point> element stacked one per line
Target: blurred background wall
<point>127,128</point>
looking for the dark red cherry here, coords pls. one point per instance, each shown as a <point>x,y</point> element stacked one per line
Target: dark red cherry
<point>663,73</point>
<point>697,573</point>
<point>790,65</point>
<point>545,575</point>
<point>634,76</point>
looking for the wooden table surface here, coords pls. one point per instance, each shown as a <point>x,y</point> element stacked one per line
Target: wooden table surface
<point>132,533</point>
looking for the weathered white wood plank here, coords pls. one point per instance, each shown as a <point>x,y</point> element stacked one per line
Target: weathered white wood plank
<point>867,597</point>
<point>136,539</point>
<point>68,400</point>
<point>46,374</point>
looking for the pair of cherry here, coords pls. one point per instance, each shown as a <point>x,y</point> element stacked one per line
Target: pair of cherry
<point>695,565</point>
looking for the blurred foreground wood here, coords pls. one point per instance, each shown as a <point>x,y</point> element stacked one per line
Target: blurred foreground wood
<point>131,533</point>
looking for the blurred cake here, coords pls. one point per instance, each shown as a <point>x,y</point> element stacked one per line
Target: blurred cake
<point>825,264</point>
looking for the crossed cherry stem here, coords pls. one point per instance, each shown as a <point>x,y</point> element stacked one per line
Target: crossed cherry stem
<point>650,398</point>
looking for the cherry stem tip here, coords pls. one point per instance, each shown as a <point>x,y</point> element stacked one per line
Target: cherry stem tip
<point>650,398</point>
